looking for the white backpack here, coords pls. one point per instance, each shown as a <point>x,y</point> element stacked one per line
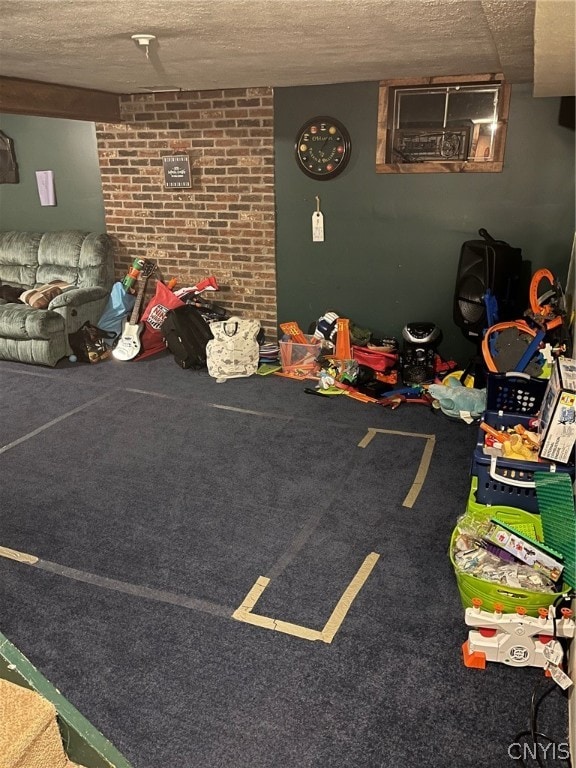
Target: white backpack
<point>234,350</point>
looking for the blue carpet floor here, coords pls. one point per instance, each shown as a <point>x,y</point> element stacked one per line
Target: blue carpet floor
<point>155,498</point>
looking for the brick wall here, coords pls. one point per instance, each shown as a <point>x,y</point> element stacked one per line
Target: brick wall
<point>222,225</point>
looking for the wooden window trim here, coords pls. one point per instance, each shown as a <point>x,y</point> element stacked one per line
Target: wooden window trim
<point>494,166</point>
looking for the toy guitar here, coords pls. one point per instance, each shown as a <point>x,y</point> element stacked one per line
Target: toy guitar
<point>129,342</point>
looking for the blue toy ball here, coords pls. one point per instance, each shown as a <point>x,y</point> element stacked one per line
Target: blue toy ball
<point>73,359</point>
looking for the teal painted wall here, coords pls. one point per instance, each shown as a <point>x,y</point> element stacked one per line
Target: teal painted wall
<point>392,242</point>
<point>67,147</point>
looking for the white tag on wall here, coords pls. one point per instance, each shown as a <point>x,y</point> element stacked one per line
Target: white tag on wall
<point>317,227</point>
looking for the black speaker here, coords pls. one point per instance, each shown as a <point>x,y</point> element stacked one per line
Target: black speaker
<point>419,352</point>
<point>417,364</point>
<point>487,265</point>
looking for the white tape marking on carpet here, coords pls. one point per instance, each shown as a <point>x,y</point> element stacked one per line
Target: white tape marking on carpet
<point>420,478</point>
<point>348,596</point>
<point>235,409</point>
<point>21,557</point>
<point>49,424</point>
<point>423,467</point>
<point>326,635</point>
<point>136,590</point>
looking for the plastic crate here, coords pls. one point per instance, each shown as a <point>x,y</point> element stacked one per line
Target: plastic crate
<point>470,587</point>
<point>514,392</point>
<point>299,359</point>
<point>509,482</point>
<point>517,518</point>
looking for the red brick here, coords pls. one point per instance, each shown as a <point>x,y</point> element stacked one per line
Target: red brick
<point>224,224</point>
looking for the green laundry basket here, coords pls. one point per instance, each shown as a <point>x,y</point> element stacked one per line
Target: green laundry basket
<point>489,592</point>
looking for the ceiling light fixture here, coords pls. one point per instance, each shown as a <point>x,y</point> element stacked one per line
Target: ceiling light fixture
<point>144,42</point>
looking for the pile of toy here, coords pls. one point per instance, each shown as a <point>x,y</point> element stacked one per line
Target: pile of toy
<point>344,358</point>
<point>490,550</point>
<point>513,549</point>
<point>516,442</point>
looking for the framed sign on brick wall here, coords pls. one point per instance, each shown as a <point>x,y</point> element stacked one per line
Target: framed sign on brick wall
<point>177,171</point>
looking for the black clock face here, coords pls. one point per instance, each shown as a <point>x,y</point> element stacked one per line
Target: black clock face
<point>323,148</point>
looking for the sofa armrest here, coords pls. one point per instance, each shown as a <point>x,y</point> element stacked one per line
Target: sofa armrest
<point>76,297</point>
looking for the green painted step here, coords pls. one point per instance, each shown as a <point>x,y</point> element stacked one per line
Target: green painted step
<point>84,743</point>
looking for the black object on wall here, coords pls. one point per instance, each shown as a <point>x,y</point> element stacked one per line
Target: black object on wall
<point>8,164</point>
<point>486,265</point>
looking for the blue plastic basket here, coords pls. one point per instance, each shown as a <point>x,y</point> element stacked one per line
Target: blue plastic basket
<point>509,482</point>
<point>514,392</point>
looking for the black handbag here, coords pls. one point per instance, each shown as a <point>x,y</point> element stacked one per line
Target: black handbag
<point>89,343</point>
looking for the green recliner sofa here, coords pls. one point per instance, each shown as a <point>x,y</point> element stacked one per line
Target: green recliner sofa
<point>82,260</point>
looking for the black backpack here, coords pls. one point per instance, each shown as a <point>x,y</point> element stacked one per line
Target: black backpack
<point>186,333</point>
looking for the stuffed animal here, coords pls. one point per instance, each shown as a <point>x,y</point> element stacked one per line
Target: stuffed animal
<point>458,401</point>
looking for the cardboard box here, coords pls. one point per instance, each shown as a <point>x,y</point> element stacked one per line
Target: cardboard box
<point>557,429</point>
<point>524,550</point>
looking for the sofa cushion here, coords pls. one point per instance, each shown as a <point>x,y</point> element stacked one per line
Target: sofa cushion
<point>19,321</point>
<point>83,259</point>
<point>40,297</point>
<point>19,257</point>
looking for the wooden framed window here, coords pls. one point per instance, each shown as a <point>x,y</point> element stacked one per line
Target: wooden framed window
<point>442,124</point>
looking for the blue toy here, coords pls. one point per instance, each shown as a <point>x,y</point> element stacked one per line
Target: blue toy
<point>457,401</point>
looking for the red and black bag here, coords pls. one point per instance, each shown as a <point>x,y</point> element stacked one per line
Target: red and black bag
<point>374,358</point>
<point>153,317</point>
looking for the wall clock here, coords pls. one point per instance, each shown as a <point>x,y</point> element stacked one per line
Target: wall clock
<point>323,148</point>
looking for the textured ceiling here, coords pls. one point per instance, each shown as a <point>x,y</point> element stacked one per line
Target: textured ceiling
<point>206,44</point>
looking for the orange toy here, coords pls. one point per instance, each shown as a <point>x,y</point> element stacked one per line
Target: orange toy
<point>543,311</point>
<point>520,325</point>
<point>343,349</point>
<point>293,329</point>
<point>502,437</point>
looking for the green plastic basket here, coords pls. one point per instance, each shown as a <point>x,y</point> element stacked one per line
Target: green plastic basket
<point>471,587</point>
